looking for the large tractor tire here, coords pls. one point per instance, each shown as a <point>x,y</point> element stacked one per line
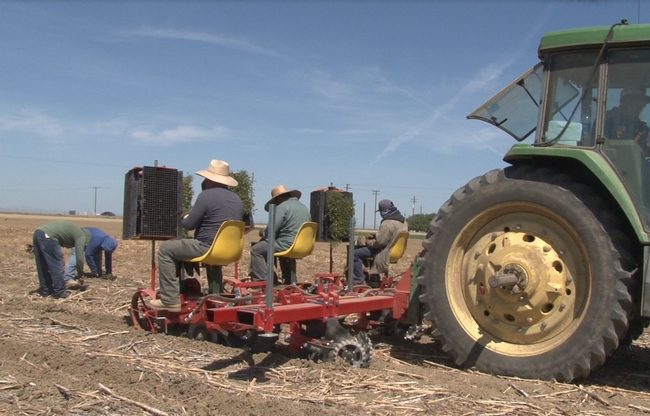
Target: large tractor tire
<point>525,273</point>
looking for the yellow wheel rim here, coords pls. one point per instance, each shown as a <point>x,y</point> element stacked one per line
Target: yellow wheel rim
<point>518,279</point>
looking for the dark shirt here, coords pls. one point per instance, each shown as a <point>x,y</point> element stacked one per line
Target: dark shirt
<point>212,207</point>
<point>619,125</point>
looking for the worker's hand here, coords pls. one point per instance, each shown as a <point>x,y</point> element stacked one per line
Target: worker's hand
<point>370,237</point>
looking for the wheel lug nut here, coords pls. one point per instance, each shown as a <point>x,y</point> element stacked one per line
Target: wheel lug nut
<point>546,249</point>
<point>544,325</point>
<point>529,319</point>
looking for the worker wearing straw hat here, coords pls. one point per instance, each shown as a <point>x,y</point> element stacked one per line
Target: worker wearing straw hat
<point>290,214</point>
<point>214,205</point>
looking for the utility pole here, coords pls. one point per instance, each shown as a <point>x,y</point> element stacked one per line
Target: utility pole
<point>413,200</point>
<point>95,188</point>
<point>374,215</point>
<point>364,216</point>
<point>347,187</point>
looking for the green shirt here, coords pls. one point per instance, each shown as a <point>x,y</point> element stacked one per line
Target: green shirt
<point>289,216</point>
<point>68,235</point>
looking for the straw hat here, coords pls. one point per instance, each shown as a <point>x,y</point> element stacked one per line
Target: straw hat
<point>218,171</point>
<point>278,191</point>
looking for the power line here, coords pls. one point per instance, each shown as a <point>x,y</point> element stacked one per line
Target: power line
<point>403,187</point>
<point>57,190</point>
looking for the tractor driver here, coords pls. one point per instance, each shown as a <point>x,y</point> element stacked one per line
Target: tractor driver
<point>623,123</point>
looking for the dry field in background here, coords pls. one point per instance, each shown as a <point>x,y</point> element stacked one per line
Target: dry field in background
<point>80,356</point>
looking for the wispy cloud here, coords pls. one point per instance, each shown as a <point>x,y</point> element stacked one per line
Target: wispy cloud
<point>176,135</point>
<point>409,134</point>
<point>49,128</point>
<point>33,122</point>
<point>110,128</point>
<point>230,42</point>
<point>483,79</point>
<point>325,84</point>
<point>309,131</point>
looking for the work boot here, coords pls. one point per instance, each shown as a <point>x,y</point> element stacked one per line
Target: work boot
<point>39,292</point>
<point>159,305</point>
<point>63,295</point>
<point>374,280</point>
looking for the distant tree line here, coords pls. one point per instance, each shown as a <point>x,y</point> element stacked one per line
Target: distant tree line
<point>420,222</point>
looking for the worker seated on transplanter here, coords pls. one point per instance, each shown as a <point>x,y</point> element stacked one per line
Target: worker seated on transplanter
<point>215,204</point>
<point>623,123</point>
<point>377,245</point>
<point>290,214</point>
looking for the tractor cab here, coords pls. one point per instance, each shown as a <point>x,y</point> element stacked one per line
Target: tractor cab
<point>588,94</point>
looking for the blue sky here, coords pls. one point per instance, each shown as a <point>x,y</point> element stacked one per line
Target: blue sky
<point>366,95</point>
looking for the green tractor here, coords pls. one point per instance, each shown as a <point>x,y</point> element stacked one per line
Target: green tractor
<point>541,269</point>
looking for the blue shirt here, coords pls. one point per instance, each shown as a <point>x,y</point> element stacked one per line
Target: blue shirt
<point>99,241</point>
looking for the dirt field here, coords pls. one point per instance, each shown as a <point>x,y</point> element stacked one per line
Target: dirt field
<point>80,356</point>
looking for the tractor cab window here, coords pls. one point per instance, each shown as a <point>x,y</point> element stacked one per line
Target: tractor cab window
<point>515,109</point>
<point>571,105</point>
<point>625,130</point>
<point>628,81</point>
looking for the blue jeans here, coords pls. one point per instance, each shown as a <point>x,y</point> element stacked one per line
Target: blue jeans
<point>259,261</point>
<point>360,253</point>
<point>49,264</point>
<point>71,266</point>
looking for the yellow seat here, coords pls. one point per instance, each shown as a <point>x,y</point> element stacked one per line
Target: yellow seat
<point>302,246</point>
<point>398,248</point>
<point>227,246</point>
